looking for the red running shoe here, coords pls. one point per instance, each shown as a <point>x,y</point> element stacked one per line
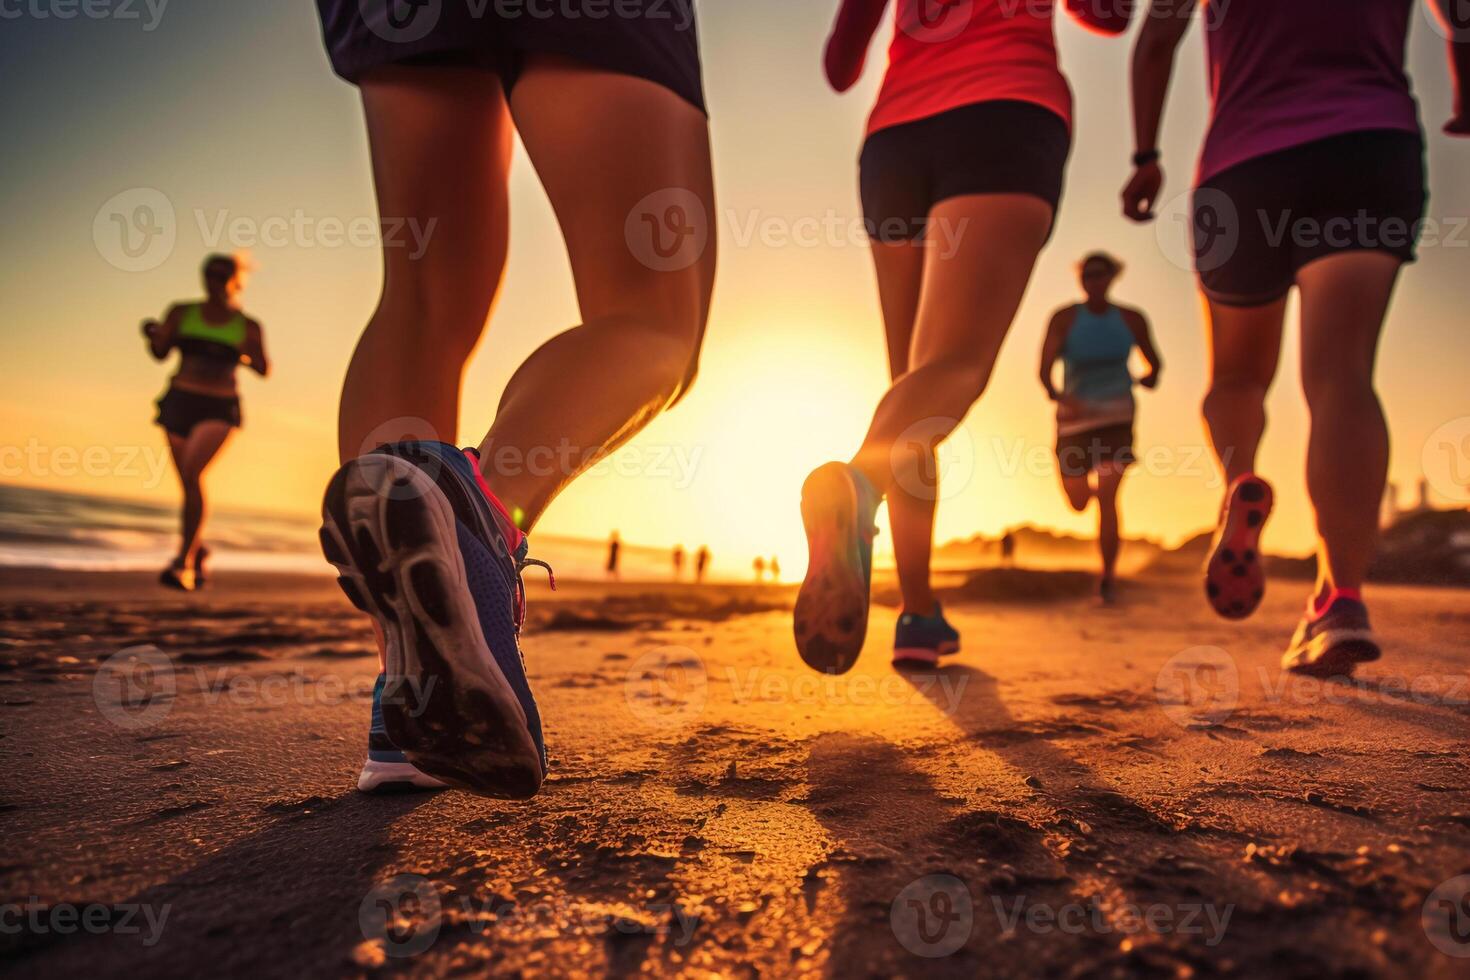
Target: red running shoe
<point>1235,579</point>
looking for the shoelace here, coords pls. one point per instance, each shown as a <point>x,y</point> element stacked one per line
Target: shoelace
<point>522,563</point>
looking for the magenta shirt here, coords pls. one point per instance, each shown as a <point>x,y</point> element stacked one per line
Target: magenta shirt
<point>1287,72</point>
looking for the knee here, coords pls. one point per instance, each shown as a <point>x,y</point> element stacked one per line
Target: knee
<point>1078,497</point>
<point>963,378</point>
<point>1327,385</point>
<point>442,315</point>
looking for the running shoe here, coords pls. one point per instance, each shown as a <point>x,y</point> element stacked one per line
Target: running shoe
<point>924,639</point>
<point>387,769</point>
<point>180,577</point>
<point>201,571</point>
<point>423,547</point>
<point>1334,643</point>
<point>838,505</point>
<point>1107,591</point>
<point>1235,579</point>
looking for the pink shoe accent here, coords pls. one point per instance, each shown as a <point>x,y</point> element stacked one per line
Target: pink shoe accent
<point>1317,606</point>
<point>915,655</point>
<point>516,535</point>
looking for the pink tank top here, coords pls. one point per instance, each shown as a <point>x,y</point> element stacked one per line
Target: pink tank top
<point>1287,72</point>
<point>951,53</point>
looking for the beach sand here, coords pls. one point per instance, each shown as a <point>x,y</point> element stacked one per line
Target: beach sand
<point>1078,794</point>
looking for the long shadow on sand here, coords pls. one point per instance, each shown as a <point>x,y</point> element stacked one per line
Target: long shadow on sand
<point>282,901</point>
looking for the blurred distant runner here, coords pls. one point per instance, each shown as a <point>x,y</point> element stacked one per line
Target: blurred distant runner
<point>202,405</point>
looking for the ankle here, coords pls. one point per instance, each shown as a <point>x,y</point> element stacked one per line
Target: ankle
<point>1326,595</point>
<point>921,609</point>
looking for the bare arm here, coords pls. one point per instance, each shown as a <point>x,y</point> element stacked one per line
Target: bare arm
<point>1102,16</point>
<point>162,336</point>
<point>254,350</point>
<point>1143,337</point>
<point>1051,347</point>
<point>1458,31</point>
<point>1153,68</point>
<point>847,46</point>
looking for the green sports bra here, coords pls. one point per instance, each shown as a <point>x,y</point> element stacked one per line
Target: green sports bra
<point>198,336</point>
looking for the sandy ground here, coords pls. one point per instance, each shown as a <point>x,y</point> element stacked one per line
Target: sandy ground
<point>1081,793</point>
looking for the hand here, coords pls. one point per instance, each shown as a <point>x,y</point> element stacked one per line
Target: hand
<point>1051,393</point>
<point>1068,408</point>
<point>151,328</point>
<point>1458,126</point>
<point>1150,380</point>
<point>1142,192</point>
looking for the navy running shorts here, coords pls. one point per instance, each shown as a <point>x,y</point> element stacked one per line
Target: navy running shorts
<point>655,40</point>
<point>1257,223</point>
<point>998,147</point>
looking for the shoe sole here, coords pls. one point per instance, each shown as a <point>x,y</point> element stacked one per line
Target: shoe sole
<point>1333,653</point>
<point>830,621</point>
<point>923,655</point>
<point>1235,578</point>
<point>385,778</point>
<point>392,536</point>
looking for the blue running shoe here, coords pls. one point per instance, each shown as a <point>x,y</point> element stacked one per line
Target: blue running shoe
<point>422,546</point>
<point>387,769</point>
<point>924,639</point>
<point>838,505</point>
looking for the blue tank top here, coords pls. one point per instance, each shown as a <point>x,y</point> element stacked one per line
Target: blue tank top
<point>1095,357</point>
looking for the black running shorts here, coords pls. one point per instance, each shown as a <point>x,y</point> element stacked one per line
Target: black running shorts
<point>1258,222</point>
<point>179,411</point>
<point>998,147</point>
<point>655,40</point>
<point>1079,453</point>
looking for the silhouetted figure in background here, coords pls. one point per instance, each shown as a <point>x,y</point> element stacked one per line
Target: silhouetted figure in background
<point>678,561</point>
<point>760,568</point>
<point>1008,549</point>
<point>614,552</point>
<point>202,405</point>
<point>701,563</point>
<point>775,569</point>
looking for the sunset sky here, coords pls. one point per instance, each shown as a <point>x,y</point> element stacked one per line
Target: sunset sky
<point>230,111</point>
